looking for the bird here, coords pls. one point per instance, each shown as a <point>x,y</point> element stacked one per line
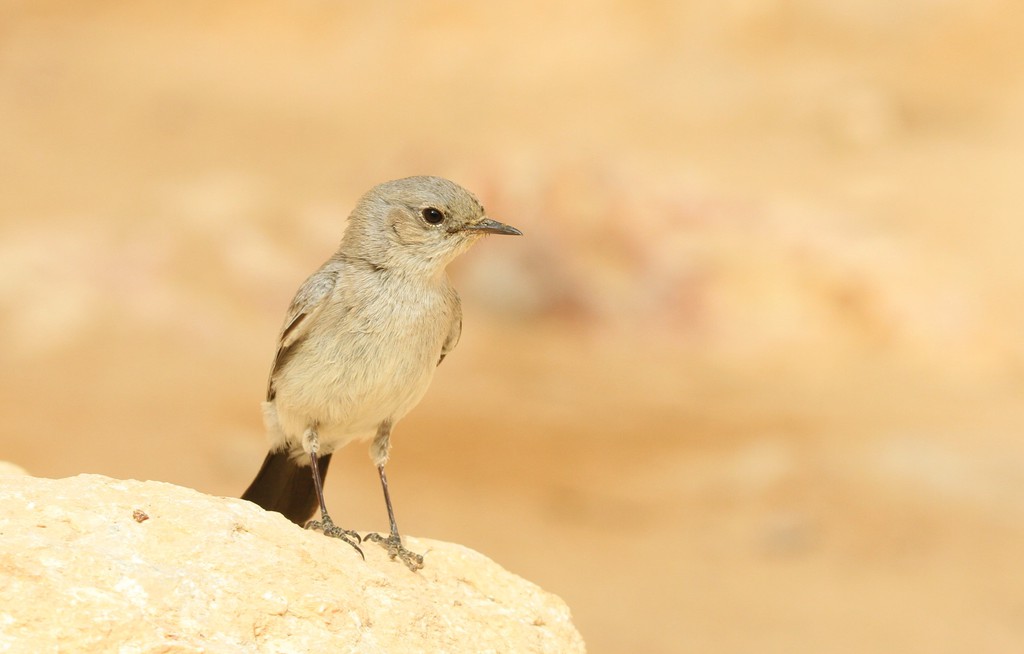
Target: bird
<point>360,342</point>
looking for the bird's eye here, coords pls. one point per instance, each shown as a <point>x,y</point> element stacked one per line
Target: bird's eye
<point>432,215</point>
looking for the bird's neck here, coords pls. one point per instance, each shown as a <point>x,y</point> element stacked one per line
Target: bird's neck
<point>417,273</point>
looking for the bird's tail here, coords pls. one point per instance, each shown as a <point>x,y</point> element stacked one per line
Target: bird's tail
<point>285,486</point>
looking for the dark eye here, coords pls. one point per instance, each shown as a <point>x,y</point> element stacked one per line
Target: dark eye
<point>432,215</point>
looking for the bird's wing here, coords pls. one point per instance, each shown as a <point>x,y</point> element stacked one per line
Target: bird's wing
<point>454,332</point>
<point>309,300</point>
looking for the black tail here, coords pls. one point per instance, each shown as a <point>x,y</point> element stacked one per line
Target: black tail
<point>284,486</point>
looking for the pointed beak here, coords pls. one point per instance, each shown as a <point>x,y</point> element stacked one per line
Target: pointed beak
<point>493,227</point>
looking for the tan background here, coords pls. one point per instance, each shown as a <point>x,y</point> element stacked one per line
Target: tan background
<point>752,381</point>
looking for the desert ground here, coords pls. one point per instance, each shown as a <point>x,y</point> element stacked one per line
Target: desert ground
<point>752,380</point>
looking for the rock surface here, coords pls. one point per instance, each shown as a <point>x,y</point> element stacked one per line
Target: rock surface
<point>8,468</point>
<point>92,564</point>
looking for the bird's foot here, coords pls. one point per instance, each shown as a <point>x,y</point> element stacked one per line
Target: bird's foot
<point>326,526</point>
<point>393,544</point>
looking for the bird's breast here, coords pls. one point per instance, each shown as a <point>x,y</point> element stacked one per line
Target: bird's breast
<point>368,359</point>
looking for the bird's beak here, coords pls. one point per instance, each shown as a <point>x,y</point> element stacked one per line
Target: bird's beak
<point>493,227</point>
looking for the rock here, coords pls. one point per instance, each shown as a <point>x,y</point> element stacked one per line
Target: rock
<point>8,468</point>
<point>92,564</point>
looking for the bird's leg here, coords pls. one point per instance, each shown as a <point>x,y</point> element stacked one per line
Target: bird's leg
<point>392,543</point>
<point>325,524</point>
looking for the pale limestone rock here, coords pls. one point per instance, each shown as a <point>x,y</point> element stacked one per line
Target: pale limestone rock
<point>8,468</point>
<point>92,564</point>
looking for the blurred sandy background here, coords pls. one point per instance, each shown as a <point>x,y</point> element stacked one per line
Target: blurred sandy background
<point>752,381</point>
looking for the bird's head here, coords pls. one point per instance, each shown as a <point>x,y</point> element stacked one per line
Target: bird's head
<point>417,224</point>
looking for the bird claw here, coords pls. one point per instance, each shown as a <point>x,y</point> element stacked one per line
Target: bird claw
<point>328,528</point>
<point>393,544</point>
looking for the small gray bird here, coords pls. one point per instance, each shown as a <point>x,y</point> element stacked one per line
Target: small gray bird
<point>360,343</point>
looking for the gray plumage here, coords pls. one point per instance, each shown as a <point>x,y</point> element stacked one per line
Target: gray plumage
<point>364,334</point>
